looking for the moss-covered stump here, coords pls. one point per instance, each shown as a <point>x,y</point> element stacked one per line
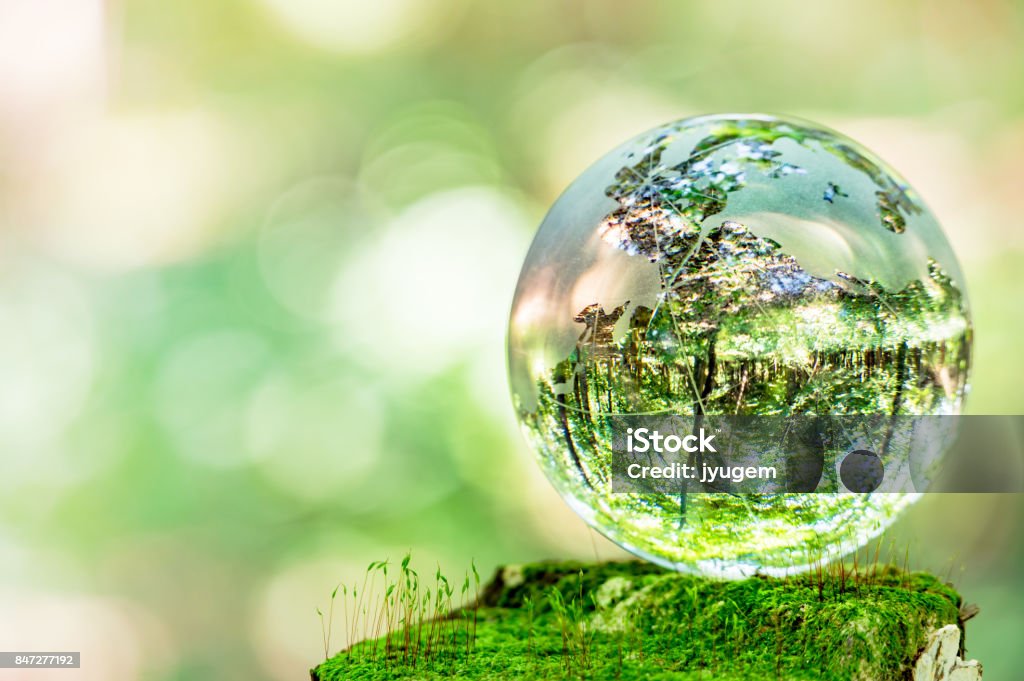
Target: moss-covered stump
<point>636,621</point>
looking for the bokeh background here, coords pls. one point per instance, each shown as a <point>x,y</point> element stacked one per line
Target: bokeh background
<point>256,258</point>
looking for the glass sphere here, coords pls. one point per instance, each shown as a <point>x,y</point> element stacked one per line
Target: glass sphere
<point>732,264</point>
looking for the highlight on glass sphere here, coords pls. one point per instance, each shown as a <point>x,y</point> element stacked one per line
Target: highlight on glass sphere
<point>745,265</point>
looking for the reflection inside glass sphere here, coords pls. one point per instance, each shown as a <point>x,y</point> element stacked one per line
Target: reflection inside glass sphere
<point>732,265</point>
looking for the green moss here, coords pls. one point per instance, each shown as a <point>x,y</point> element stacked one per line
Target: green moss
<point>636,621</point>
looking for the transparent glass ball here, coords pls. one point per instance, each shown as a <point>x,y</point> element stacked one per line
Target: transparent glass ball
<point>732,264</point>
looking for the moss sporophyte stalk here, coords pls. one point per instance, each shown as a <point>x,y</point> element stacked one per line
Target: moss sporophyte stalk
<point>732,265</point>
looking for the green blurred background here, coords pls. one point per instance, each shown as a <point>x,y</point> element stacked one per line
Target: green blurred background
<point>256,258</point>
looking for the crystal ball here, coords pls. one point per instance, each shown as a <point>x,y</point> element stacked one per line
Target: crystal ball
<point>732,265</point>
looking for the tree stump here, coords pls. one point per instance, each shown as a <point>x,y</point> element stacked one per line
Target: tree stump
<point>633,620</point>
